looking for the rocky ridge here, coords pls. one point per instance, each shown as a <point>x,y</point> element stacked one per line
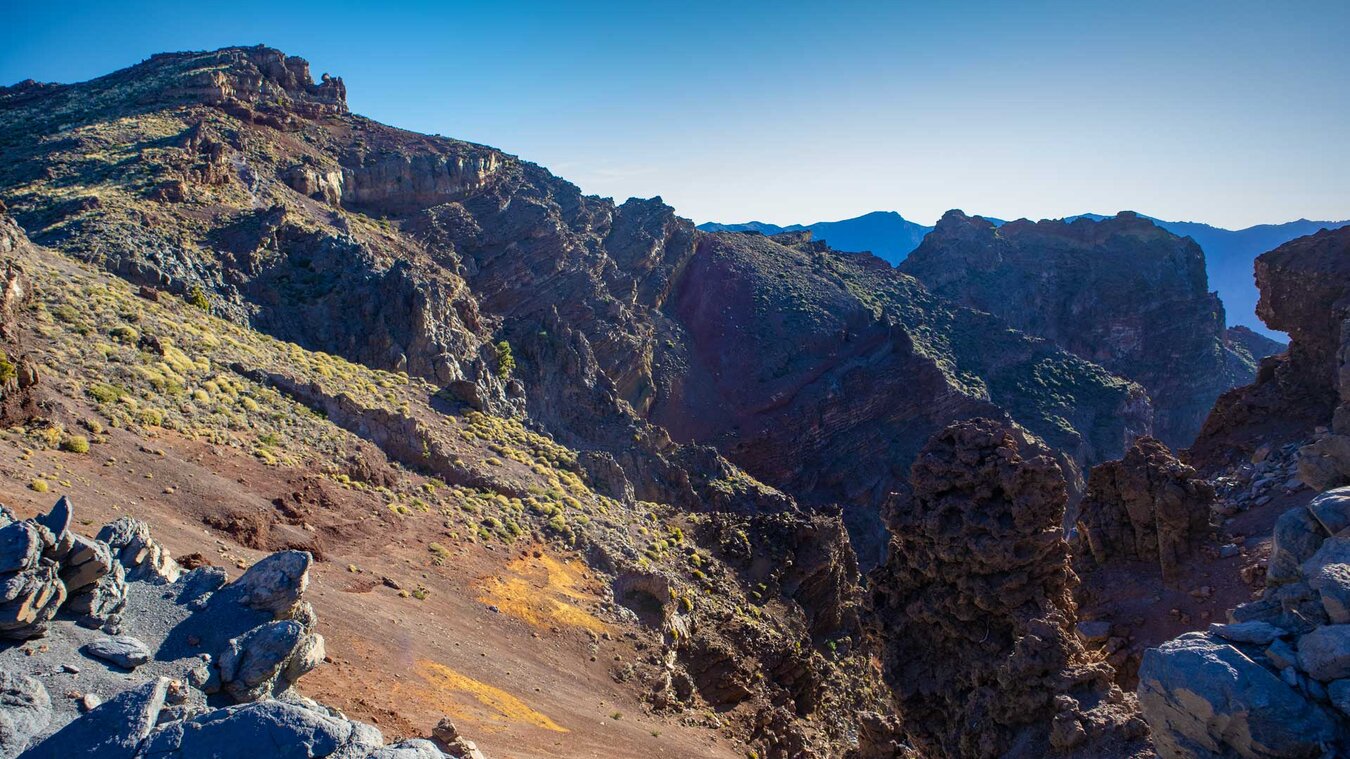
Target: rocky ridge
<point>456,263</point>
<point>707,613</point>
<point>1077,284</point>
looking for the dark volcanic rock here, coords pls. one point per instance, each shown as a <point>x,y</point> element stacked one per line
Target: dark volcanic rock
<point>1121,292</point>
<point>1147,506</point>
<point>823,373</point>
<point>976,611</point>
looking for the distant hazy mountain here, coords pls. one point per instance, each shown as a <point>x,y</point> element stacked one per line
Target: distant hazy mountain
<point>884,233</point>
<point>1228,253</point>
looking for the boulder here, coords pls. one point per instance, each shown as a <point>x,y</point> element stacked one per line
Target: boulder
<point>1297,537</point>
<point>20,547</point>
<point>268,659</point>
<point>123,650</point>
<point>86,562</point>
<point>1325,463</point>
<point>1328,573</point>
<point>276,583</point>
<point>1204,698</point>
<point>130,542</point>
<point>114,729</point>
<point>1332,509</point>
<point>96,605</point>
<point>287,731</point>
<point>1324,653</point>
<point>25,711</point>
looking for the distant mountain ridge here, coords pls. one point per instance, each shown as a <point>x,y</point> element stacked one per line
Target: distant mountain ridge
<point>1229,253</point>
<point>886,234</point>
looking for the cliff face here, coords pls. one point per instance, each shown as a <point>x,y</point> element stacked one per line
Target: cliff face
<point>234,180</point>
<point>827,372</point>
<point>1120,292</point>
<point>1304,288</point>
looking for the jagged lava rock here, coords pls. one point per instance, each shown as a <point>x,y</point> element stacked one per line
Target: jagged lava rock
<point>1148,505</point>
<point>975,608</point>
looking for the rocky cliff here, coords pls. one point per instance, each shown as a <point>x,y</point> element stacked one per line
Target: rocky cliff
<point>232,179</point>
<point>1304,284</point>
<point>1120,292</point>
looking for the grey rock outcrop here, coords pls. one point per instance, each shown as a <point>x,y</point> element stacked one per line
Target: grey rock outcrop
<point>130,542</point>
<point>275,583</point>
<point>1205,698</point>
<point>268,659</point>
<point>30,589</point>
<point>200,644</point>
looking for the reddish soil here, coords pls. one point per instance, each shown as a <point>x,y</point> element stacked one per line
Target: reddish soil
<point>1133,596</point>
<point>520,690</point>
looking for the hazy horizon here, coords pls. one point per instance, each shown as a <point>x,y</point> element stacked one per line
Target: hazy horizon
<point>1231,116</point>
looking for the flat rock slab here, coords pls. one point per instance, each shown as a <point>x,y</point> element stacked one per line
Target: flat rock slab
<point>1260,633</point>
<point>122,650</point>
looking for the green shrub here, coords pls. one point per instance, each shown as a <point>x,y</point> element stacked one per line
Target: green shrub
<point>39,486</point>
<point>105,393</point>
<point>75,444</point>
<point>440,554</point>
<point>506,362</point>
<point>197,297</point>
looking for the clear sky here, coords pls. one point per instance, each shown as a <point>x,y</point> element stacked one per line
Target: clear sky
<point>1233,113</point>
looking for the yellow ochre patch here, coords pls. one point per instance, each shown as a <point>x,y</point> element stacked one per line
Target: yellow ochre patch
<point>543,592</point>
<point>503,706</point>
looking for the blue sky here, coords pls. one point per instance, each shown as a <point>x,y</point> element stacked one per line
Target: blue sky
<point>1232,113</point>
